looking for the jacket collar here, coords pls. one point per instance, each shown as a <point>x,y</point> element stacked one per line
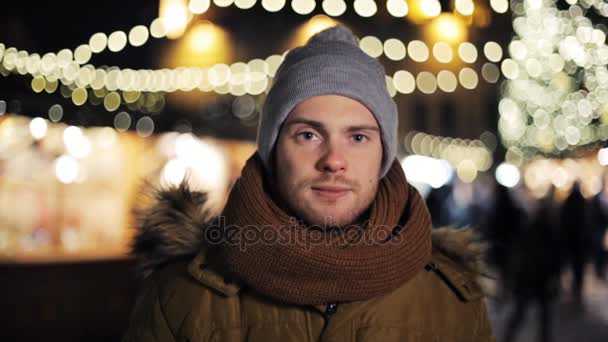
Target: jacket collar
<point>203,272</point>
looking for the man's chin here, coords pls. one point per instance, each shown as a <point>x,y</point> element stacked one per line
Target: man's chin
<point>329,220</point>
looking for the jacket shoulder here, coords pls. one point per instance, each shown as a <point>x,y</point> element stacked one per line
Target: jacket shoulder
<point>185,299</point>
<point>457,260</point>
<point>173,304</point>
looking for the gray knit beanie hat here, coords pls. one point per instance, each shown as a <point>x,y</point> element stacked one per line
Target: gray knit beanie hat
<point>330,63</point>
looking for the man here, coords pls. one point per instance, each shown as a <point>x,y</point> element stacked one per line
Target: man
<point>321,238</point>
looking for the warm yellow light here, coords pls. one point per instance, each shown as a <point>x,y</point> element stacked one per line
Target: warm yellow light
<point>79,96</point>
<point>174,172</point>
<point>313,26</point>
<point>38,84</point>
<point>509,68</point>
<point>448,28</point>
<point>500,6</point>
<point>117,41</point>
<point>443,52</point>
<point>32,63</point>
<point>418,51</point>
<point>38,128</point>
<point>158,28</point>
<point>365,8</point>
<point>334,8</point>
<point>222,3</point>
<point>219,75</point>
<point>404,82</point>
<point>64,57</point>
<point>51,86</point>
<point>466,171</point>
<point>204,45</point>
<point>199,6</point>
<point>66,169</point>
<point>131,96</point>
<point>303,7</point>
<point>98,42</point>
<point>174,14</point>
<point>99,79</point>
<point>71,71</point>
<point>468,78</point>
<point>371,46</point>
<point>85,76</point>
<point>431,8</point>
<point>397,8</point>
<point>394,49</point>
<point>273,63</point>
<point>465,7</point>
<point>239,74</point>
<point>258,66</point>
<point>273,5</point>
<point>138,35</point>
<point>493,51</point>
<point>420,11</point>
<point>111,101</point>
<point>446,81</point>
<point>82,54</point>
<point>467,52</point>
<point>48,63</point>
<point>258,87</point>
<point>76,143</point>
<point>426,82</point>
<point>202,37</point>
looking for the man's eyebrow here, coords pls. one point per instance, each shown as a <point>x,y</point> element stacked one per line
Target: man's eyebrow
<point>363,128</point>
<point>318,125</point>
<point>313,123</point>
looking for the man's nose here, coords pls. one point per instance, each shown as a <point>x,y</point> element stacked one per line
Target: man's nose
<point>333,159</point>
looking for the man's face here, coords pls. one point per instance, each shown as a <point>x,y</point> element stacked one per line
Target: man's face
<point>328,160</point>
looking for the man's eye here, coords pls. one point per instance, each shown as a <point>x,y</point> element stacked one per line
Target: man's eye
<point>307,135</point>
<point>359,137</point>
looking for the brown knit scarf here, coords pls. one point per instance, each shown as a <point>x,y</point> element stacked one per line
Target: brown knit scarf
<point>269,251</point>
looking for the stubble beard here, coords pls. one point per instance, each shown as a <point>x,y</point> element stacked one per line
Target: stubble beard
<point>306,208</point>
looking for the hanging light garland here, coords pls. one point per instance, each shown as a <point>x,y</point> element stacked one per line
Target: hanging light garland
<point>239,78</point>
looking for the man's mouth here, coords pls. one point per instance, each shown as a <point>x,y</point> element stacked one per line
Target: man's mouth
<point>330,192</point>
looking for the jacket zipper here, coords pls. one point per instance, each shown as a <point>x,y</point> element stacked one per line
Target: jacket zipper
<point>329,311</point>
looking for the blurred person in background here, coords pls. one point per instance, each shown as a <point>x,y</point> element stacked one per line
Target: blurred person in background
<point>502,230</point>
<point>436,201</point>
<point>576,231</point>
<point>599,225</point>
<point>534,265</point>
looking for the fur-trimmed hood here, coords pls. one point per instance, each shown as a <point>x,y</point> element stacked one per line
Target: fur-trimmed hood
<point>173,228</point>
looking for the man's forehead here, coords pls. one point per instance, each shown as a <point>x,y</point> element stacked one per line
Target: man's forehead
<point>331,112</point>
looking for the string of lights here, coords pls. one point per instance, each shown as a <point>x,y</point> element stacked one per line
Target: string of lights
<point>66,66</point>
<point>239,78</point>
<point>174,18</point>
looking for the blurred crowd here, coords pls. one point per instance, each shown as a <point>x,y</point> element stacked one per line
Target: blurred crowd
<point>534,244</point>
